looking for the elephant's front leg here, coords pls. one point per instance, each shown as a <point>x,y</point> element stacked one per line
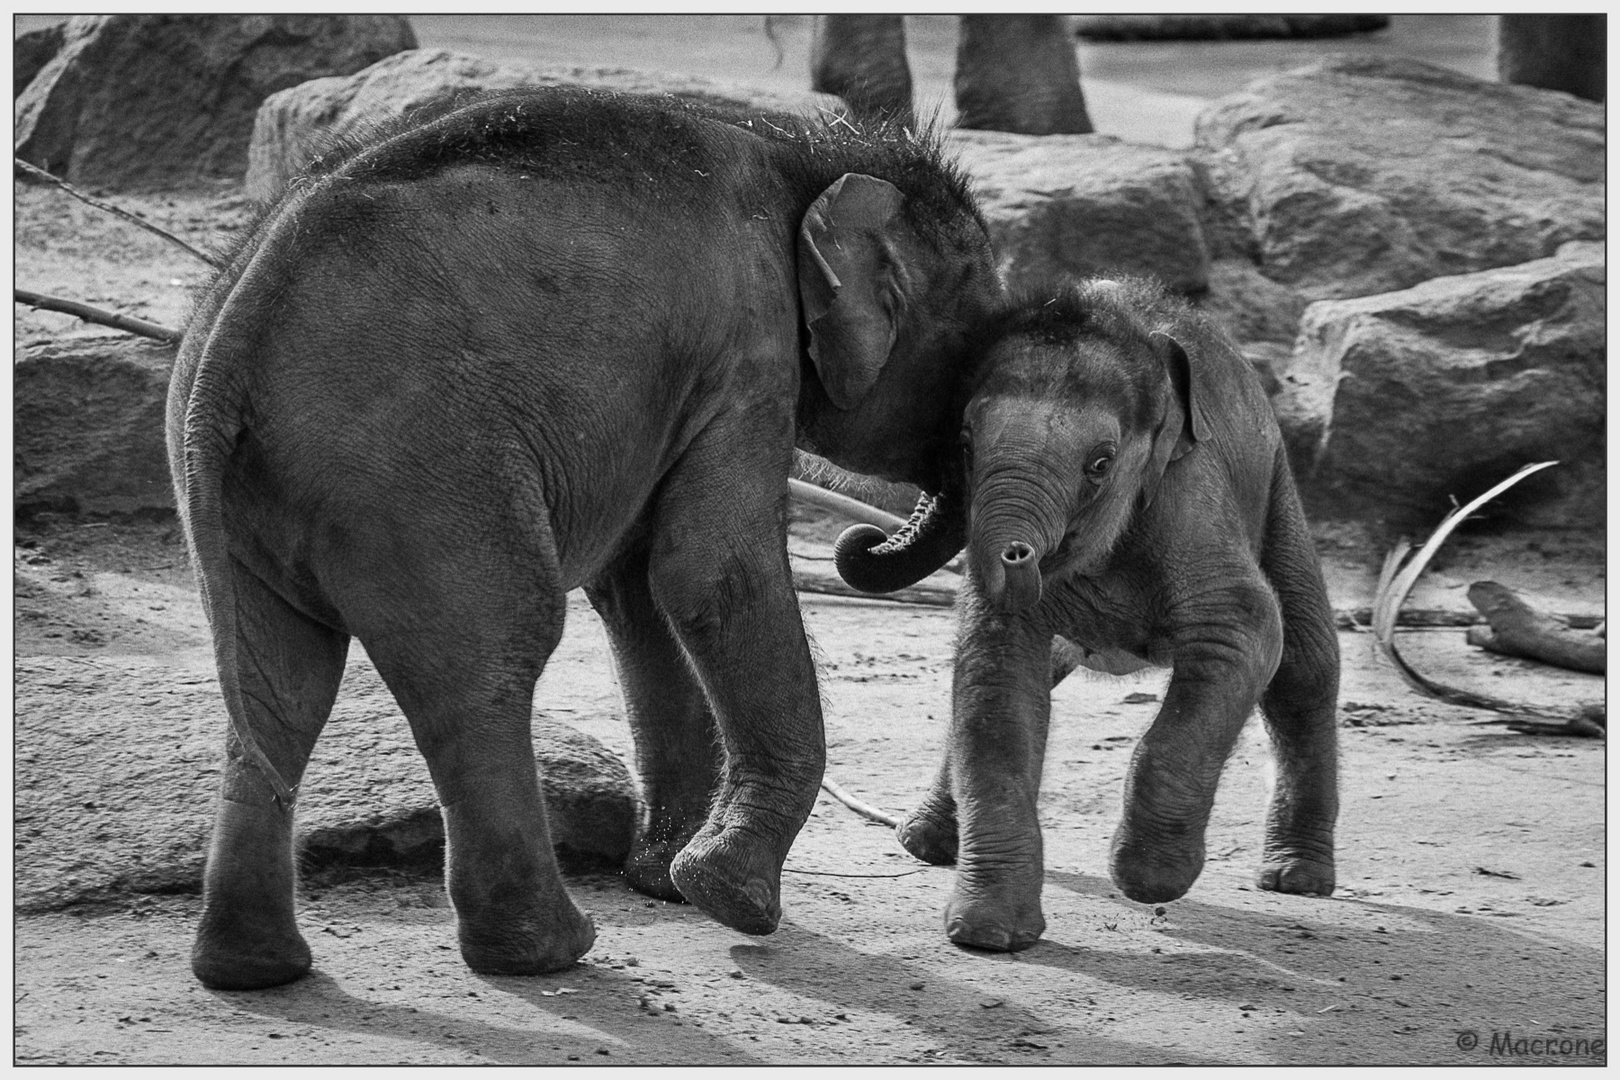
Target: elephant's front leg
<point>719,573</point>
<point>677,747</point>
<point>1223,658</point>
<point>1000,707</point>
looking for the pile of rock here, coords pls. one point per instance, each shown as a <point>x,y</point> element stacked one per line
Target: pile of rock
<point>1408,255</point>
<point>1459,217</point>
<point>150,100</point>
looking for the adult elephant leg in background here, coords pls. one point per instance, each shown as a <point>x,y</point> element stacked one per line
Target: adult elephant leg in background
<point>1019,73</point>
<point>1554,52</point>
<point>862,59</point>
<point>677,747</point>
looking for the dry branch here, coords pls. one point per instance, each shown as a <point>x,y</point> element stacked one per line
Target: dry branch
<point>853,509</point>
<point>867,811</point>
<point>1519,628</point>
<point>1395,584</point>
<point>40,174</point>
<point>127,323</point>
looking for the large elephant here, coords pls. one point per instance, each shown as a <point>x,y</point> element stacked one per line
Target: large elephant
<point>1013,72</point>
<point>1129,493</point>
<point>547,339</point>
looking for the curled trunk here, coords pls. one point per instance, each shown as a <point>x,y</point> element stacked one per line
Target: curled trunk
<point>871,561</point>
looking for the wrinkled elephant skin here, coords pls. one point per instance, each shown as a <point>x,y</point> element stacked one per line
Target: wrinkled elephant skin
<point>541,340</point>
<point>1129,494</point>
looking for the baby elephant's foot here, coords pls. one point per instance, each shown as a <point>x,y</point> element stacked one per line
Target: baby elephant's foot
<point>647,867</point>
<point>1154,873</point>
<point>525,940</point>
<point>733,878</point>
<point>999,917</point>
<point>929,833</point>
<point>243,957</point>
<point>248,938</point>
<point>1303,875</point>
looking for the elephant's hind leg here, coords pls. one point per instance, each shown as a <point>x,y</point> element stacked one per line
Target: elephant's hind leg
<point>1226,650</point>
<point>719,573</point>
<point>1301,711</point>
<point>929,831</point>
<point>677,745</point>
<point>461,649</point>
<point>289,668</point>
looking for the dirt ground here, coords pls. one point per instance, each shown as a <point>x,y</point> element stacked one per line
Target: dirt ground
<point>1471,859</point>
<point>1471,876</point>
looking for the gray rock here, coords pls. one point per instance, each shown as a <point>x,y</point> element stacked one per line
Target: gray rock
<point>1251,306</point>
<point>1087,204</point>
<point>155,100</point>
<point>1359,175</point>
<point>117,769</point>
<point>1396,403</point>
<point>295,125</point>
<point>32,51</point>
<point>88,426</point>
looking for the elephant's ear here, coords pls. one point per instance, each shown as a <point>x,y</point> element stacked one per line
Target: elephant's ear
<point>847,283</point>
<point>1186,423</point>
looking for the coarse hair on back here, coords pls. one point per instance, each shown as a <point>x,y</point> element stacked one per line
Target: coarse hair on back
<point>595,136</point>
<point>1124,309</point>
<point>607,136</point>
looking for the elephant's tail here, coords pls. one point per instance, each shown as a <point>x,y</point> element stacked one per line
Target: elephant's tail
<point>206,416</point>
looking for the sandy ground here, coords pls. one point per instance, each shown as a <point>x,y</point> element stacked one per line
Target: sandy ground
<point>1471,875</point>
<point>1471,860</point>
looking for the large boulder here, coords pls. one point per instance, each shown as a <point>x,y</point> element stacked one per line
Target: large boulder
<point>1359,175</point>
<point>30,53</point>
<point>1087,204</point>
<point>1397,403</point>
<point>88,426</point>
<point>117,764</point>
<point>155,100</point>
<point>296,125</point>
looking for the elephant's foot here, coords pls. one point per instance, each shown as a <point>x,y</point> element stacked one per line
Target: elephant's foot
<point>1155,872</point>
<point>647,868</point>
<point>248,938</point>
<point>243,951</point>
<point>513,914</point>
<point>1000,916</point>
<point>1306,873</point>
<point>525,938</point>
<point>733,878</point>
<point>929,832</point>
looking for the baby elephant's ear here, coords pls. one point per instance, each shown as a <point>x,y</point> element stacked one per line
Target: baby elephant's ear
<point>1185,424</point>
<point>848,261</point>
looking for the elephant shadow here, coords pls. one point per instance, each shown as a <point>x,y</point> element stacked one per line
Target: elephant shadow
<point>602,1028</point>
<point>1311,956</point>
<point>957,1018</point>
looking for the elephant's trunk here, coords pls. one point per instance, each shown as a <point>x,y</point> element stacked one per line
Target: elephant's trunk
<point>873,562</point>
<point>1016,522</point>
<point>1008,562</point>
<point>1021,571</point>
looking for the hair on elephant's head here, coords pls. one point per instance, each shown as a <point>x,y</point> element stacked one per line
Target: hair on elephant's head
<point>892,290</point>
<point>1084,396</point>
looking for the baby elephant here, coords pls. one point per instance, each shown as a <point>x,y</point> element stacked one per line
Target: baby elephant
<point>1130,494</point>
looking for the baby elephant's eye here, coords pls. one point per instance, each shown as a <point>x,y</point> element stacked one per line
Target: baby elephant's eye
<point>967,447</point>
<point>1101,460</point>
